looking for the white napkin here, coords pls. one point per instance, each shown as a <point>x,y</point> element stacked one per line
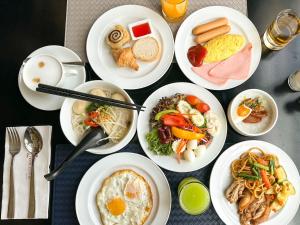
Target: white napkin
<point>22,171</point>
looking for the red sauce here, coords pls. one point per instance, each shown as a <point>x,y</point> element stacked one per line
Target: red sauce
<point>141,30</point>
<point>196,54</point>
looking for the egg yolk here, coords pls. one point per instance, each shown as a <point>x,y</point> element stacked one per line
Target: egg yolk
<point>116,206</point>
<point>243,110</point>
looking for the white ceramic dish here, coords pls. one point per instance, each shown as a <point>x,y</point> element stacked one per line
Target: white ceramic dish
<point>86,209</point>
<point>218,184</point>
<point>255,129</point>
<point>102,62</point>
<point>240,24</point>
<point>170,162</point>
<point>51,102</point>
<point>66,116</point>
<point>131,25</point>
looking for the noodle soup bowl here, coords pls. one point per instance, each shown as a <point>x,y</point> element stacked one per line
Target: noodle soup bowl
<point>66,118</point>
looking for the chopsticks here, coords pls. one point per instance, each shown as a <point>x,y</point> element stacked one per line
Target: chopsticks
<point>87,97</point>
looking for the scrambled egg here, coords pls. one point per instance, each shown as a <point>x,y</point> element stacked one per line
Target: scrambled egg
<point>223,46</point>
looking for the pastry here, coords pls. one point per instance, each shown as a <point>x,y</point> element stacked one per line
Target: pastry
<point>125,58</point>
<point>146,49</point>
<point>118,37</point>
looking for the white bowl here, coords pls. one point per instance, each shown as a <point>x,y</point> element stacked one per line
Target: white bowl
<point>252,130</point>
<point>66,117</point>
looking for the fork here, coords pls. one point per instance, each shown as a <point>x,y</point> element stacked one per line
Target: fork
<point>14,149</point>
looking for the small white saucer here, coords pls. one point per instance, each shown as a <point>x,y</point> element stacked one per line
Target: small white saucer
<point>50,102</point>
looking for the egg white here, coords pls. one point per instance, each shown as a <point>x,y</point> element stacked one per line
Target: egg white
<point>137,209</point>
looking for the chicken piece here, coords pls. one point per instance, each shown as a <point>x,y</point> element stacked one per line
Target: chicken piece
<point>259,211</point>
<point>264,217</point>
<point>235,190</point>
<point>246,200</point>
<point>125,58</point>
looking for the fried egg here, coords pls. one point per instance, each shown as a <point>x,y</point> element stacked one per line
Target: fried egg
<point>124,198</point>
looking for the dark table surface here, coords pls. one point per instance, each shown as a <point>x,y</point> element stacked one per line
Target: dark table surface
<point>30,24</point>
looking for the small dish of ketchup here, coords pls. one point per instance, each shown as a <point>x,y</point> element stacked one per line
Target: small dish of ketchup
<point>140,29</point>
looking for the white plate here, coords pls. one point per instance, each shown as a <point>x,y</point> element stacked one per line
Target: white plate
<point>218,184</point>
<point>45,101</point>
<point>170,162</point>
<point>66,118</point>
<point>101,60</point>
<point>240,24</point>
<point>86,208</point>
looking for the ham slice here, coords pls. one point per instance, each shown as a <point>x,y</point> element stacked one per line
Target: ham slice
<point>236,67</point>
<point>203,71</point>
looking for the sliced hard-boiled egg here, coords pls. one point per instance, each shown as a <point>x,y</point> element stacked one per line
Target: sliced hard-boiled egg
<point>191,144</point>
<point>242,112</point>
<point>184,107</point>
<point>175,145</point>
<point>116,206</point>
<point>199,150</point>
<point>189,155</point>
<point>197,117</point>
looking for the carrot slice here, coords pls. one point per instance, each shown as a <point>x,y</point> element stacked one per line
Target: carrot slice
<point>265,179</point>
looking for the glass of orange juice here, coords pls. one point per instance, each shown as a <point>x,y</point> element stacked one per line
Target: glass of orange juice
<point>174,10</point>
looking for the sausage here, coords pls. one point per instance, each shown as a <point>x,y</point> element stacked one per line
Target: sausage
<point>212,34</point>
<point>209,26</point>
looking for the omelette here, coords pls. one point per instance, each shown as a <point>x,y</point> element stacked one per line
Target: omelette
<point>124,198</point>
<point>223,46</point>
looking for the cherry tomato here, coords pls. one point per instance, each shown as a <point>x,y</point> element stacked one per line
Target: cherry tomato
<point>196,54</point>
<point>193,100</point>
<point>90,123</point>
<point>202,107</point>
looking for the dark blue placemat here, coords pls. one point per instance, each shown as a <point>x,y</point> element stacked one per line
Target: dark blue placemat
<point>65,187</point>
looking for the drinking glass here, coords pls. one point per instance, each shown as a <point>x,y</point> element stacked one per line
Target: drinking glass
<point>294,81</point>
<point>174,10</point>
<point>193,196</point>
<point>283,30</point>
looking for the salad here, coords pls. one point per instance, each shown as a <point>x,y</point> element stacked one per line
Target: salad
<point>182,125</point>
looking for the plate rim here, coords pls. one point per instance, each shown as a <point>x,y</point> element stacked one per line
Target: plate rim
<point>233,147</point>
<point>182,67</point>
<point>20,80</point>
<point>147,151</point>
<point>135,156</point>
<point>169,57</point>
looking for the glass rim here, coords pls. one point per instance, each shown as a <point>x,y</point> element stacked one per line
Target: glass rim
<point>175,3</point>
<point>280,14</point>
<point>209,197</point>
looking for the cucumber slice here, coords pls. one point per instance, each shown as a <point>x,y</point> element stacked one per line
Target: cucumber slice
<point>183,107</point>
<point>197,117</point>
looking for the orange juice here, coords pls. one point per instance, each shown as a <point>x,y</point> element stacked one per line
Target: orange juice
<point>174,10</point>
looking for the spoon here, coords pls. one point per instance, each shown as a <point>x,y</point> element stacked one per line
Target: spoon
<point>33,143</point>
<point>94,137</point>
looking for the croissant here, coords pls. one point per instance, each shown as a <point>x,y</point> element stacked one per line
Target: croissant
<point>124,58</point>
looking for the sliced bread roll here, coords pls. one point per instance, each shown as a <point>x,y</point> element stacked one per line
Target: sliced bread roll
<point>146,49</point>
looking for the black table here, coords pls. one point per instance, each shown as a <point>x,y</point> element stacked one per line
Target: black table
<point>28,25</point>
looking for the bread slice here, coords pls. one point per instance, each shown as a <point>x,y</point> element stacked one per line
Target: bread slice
<point>146,49</point>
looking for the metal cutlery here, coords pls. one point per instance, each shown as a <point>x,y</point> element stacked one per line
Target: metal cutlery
<point>14,149</point>
<point>33,143</point>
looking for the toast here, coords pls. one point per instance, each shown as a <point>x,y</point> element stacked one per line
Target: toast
<point>146,49</point>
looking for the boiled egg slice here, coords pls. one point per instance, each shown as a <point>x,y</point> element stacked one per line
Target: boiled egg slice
<point>242,112</point>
